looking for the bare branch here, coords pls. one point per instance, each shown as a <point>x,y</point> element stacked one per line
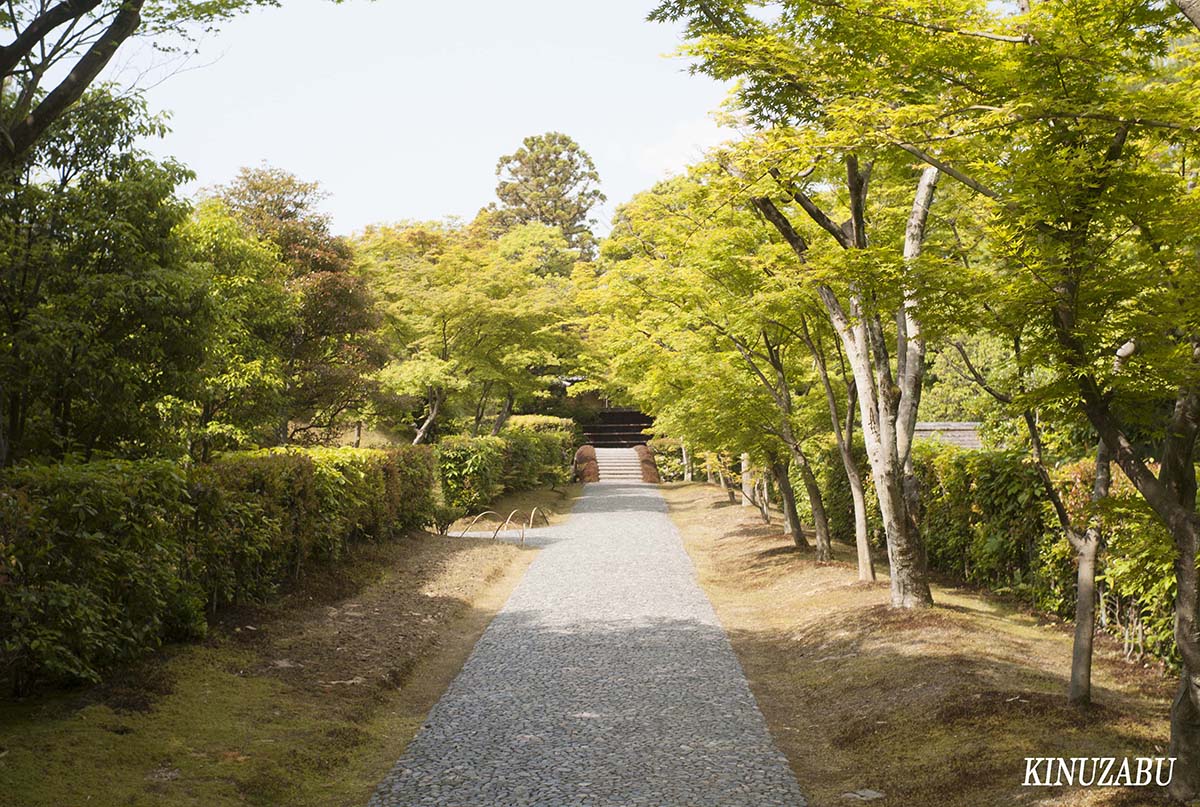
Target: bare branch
<point>950,170</point>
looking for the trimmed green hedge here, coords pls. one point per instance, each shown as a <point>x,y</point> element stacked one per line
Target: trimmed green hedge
<point>532,451</point>
<point>983,516</point>
<point>101,562</point>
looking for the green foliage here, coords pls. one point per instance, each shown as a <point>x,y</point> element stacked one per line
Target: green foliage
<point>542,423</point>
<point>240,393</point>
<point>89,561</point>
<point>987,522</point>
<point>468,320</point>
<point>471,470</point>
<point>100,562</point>
<point>104,321</point>
<point>443,515</point>
<point>981,515</point>
<point>330,349</point>
<point>668,458</point>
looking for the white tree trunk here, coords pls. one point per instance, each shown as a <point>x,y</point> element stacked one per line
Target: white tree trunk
<point>747,481</point>
<point>888,414</point>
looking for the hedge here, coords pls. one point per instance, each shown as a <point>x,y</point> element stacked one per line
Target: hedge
<point>104,561</point>
<point>983,516</point>
<point>532,451</point>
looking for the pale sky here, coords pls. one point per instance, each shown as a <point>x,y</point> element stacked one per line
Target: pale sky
<point>400,108</point>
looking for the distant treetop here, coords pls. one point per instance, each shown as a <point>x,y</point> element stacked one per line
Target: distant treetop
<point>551,180</point>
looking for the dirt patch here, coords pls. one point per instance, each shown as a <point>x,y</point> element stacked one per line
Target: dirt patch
<point>936,708</point>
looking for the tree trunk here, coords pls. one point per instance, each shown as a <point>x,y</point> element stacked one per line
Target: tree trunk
<point>817,504</point>
<point>1172,495</point>
<point>1185,710</point>
<point>881,397</point>
<point>791,518</point>
<point>727,486</point>
<point>1185,740</point>
<point>747,481</point>
<point>687,462</point>
<point>764,501</point>
<point>481,408</point>
<point>906,557</point>
<point>862,540</point>
<point>845,443</point>
<point>1080,690</point>
<point>3,431</point>
<point>1191,10</point>
<point>505,413</point>
<point>708,469</point>
<point>54,104</point>
<point>358,434</point>
<point>1087,549</point>
<point>435,405</point>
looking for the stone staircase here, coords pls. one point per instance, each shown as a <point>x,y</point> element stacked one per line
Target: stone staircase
<point>619,463</point>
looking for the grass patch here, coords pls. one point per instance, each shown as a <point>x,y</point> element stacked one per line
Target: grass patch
<point>555,503</point>
<point>308,701</point>
<point>936,708</point>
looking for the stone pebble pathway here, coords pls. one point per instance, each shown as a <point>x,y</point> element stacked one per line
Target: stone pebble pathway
<point>605,680</point>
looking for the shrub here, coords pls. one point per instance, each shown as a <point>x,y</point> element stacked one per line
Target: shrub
<point>442,516</point>
<point>551,451</point>
<point>586,467</point>
<point>471,470</point>
<point>523,460</point>
<point>263,515</point>
<point>89,563</point>
<point>542,423</point>
<point>981,515</point>
<point>100,562</point>
<point>986,520</point>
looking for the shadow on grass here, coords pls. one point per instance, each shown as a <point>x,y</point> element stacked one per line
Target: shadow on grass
<point>917,706</point>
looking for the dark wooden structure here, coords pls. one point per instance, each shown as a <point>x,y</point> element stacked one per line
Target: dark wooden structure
<point>618,427</point>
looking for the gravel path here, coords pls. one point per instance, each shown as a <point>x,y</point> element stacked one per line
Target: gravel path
<point>605,680</point>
